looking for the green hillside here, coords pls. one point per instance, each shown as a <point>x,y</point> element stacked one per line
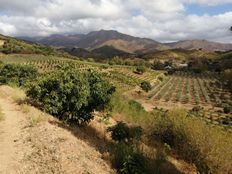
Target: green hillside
<point>9,45</point>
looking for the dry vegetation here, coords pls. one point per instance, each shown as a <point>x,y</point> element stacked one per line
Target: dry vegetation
<point>1,115</point>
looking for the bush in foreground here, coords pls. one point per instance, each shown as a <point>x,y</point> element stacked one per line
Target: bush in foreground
<point>128,160</point>
<point>121,132</point>
<point>71,95</point>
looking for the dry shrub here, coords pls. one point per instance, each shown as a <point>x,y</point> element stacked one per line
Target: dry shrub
<point>209,148</point>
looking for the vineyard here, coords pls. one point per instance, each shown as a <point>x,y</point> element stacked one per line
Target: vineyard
<point>189,90</point>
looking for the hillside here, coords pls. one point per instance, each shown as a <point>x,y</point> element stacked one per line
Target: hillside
<point>104,52</point>
<point>180,54</point>
<point>10,45</point>
<point>200,44</point>
<point>125,42</point>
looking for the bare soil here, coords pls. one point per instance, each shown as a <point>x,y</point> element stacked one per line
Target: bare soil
<point>32,142</point>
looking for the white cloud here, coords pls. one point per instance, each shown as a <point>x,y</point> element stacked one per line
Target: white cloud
<point>7,29</point>
<point>162,20</point>
<point>208,2</point>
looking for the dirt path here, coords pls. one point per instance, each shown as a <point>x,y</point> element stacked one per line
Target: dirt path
<point>10,133</point>
<point>32,142</point>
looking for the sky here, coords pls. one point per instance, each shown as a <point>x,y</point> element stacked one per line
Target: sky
<point>161,20</point>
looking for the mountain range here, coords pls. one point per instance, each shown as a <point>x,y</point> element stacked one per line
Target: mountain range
<point>124,42</point>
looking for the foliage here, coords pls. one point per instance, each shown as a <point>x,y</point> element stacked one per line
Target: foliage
<point>134,164</point>
<point>141,69</point>
<point>132,112</point>
<point>158,65</point>
<point>17,74</point>
<point>12,45</point>
<point>121,132</point>
<point>71,95</point>
<point>146,86</point>
<point>129,160</point>
<point>227,109</point>
<point>135,106</point>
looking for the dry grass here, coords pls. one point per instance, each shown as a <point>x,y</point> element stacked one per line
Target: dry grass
<point>34,115</point>
<point>25,108</point>
<point>209,148</point>
<point>37,118</point>
<point>17,94</point>
<point>206,146</point>
<point>1,115</point>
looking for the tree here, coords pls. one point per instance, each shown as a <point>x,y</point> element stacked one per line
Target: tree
<point>231,28</point>
<point>17,74</point>
<point>146,86</point>
<point>71,95</point>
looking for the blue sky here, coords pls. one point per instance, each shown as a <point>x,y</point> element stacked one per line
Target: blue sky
<point>161,20</point>
<point>208,9</point>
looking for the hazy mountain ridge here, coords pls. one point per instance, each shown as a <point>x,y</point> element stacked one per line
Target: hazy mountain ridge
<point>124,42</point>
<point>201,44</point>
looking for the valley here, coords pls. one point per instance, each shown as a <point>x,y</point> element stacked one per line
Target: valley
<point>166,105</point>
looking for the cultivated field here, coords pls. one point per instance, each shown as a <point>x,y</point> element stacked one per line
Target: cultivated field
<point>189,90</point>
<point>180,89</point>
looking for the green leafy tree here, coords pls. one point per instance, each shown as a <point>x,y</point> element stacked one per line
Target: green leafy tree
<point>71,95</point>
<point>146,86</point>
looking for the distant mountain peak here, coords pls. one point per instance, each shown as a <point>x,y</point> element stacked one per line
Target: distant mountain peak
<point>125,42</point>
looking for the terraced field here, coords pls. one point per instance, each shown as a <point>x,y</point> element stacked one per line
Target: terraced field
<point>189,90</point>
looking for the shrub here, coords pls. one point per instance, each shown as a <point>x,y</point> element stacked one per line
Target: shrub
<point>146,86</point>
<point>121,132</point>
<point>227,109</point>
<point>141,69</point>
<point>136,106</point>
<point>134,164</point>
<point>17,74</point>
<point>128,160</point>
<point>71,95</point>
